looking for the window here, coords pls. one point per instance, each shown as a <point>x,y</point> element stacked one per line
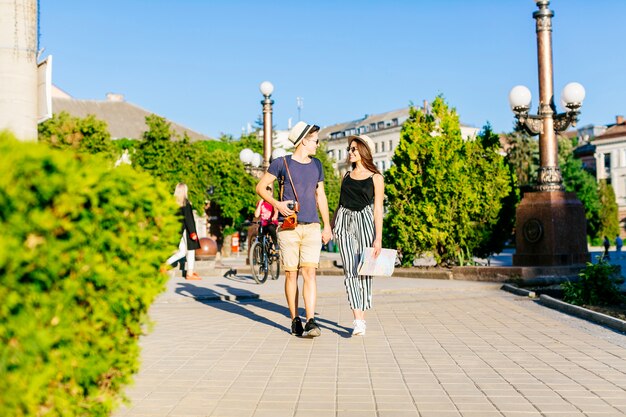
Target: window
<point>390,145</point>
<point>372,126</point>
<point>338,154</point>
<point>381,125</point>
<point>382,164</point>
<point>376,147</point>
<point>382,147</point>
<point>394,122</point>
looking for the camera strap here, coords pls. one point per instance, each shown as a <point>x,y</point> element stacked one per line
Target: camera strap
<point>295,193</point>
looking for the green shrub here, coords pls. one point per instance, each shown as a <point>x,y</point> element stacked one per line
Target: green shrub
<point>596,286</point>
<point>81,248</point>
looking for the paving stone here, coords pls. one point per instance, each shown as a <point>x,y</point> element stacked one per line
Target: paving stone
<point>434,348</point>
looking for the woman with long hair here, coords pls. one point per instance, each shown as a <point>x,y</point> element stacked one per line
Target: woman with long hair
<point>359,224</point>
<point>189,241</point>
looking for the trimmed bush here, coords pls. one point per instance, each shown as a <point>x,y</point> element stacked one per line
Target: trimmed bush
<point>81,251</point>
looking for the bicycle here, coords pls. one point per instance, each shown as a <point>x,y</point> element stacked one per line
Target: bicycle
<point>264,257</point>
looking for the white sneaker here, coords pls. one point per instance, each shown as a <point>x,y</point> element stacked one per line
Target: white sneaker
<point>359,328</point>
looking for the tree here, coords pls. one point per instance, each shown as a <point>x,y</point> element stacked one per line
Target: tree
<point>578,180</point>
<point>85,135</point>
<point>332,182</point>
<point>444,193</point>
<point>609,222</point>
<point>523,156</point>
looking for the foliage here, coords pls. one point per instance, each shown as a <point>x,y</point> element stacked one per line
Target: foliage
<point>234,189</point>
<point>86,135</point>
<point>596,286</point>
<point>576,179</point>
<point>496,237</point>
<point>445,194</point>
<point>609,221</point>
<point>332,182</point>
<point>81,249</point>
<point>523,155</point>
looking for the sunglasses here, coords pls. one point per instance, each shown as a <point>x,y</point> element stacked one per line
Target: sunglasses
<point>352,149</point>
<point>317,141</point>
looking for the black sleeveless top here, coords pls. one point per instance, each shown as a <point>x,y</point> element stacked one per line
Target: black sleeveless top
<point>356,194</point>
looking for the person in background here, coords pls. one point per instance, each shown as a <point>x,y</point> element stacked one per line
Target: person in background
<point>359,224</point>
<point>268,216</point>
<point>618,246</point>
<point>189,241</point>
<point>607,245</point>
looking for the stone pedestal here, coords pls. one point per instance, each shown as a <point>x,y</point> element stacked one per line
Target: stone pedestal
<point>550,230</point>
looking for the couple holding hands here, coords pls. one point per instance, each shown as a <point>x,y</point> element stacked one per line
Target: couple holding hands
<point>358,222</point>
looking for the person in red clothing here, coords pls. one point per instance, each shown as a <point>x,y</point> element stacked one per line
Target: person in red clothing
<point>268,216</point>
<point>189,241</point>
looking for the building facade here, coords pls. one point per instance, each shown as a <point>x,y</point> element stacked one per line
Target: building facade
<point>603,152</point>
<point>18,68</point>
<point>384,129</point>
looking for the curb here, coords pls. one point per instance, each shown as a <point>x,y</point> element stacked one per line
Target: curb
<point>581,312</point>
<point>563,307</point>
<point>518,291</point>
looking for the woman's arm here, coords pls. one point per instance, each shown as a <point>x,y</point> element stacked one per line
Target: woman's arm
<point>379,195</point>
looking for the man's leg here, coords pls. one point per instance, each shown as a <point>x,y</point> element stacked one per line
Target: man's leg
<point>291,292</point>
<point>289,242</point>
<point>309,290</point>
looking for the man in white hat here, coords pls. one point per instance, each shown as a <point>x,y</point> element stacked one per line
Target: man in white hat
<point>302,179</point>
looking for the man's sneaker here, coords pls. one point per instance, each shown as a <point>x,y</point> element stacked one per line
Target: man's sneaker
<point>296,326</point>
<point>311,329</point>
<point>359,328</point>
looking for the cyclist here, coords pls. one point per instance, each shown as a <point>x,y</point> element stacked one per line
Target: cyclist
<point>268,217</point>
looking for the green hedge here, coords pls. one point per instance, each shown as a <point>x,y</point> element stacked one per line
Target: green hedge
<point>82,246</point>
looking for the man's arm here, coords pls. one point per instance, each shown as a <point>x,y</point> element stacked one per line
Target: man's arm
<point>322,205</point>
<point>261,189</point>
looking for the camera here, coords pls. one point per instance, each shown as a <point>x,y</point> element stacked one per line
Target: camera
<point>291,205</point>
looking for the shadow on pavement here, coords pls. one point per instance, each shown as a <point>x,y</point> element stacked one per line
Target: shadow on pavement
<point>212,298</point>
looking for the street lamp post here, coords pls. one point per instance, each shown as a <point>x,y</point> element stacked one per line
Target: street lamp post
<point>252,162</point>
<point>267,88</point>
<point>550,223</point>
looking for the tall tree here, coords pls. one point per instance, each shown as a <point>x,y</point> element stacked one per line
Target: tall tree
<point>578,180</point>
<point>444,193</point>
<point>523,155</point>
<point>609,221</point>
<point>332,183</point>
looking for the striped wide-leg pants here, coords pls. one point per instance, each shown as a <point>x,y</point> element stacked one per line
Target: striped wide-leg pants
<point>354,231</point>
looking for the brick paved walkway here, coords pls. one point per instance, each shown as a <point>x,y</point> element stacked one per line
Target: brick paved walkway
<point>433,349</point>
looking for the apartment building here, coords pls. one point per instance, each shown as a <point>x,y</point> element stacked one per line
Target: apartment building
<point>384,129</point>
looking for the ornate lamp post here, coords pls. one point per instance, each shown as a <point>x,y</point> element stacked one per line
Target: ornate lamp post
<point>267,88</point>
<point>550,223</point>
<point>251,162</point>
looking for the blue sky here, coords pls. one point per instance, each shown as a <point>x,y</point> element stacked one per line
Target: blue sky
<point>200,63</point>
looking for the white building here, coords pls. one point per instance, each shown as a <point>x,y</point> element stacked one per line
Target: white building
<point>19,70</point>
<point>610,160</point>
<point>384,129</point>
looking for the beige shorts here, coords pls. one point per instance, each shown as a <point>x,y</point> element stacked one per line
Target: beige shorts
<point>300,247</point>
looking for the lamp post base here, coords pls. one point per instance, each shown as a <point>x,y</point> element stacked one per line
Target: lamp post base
<point>551,230</point>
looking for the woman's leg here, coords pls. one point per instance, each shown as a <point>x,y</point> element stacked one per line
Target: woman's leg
<point>191,260</point>
<point>180,253</point>
<point>347,244</point>
<point>365,230</point>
